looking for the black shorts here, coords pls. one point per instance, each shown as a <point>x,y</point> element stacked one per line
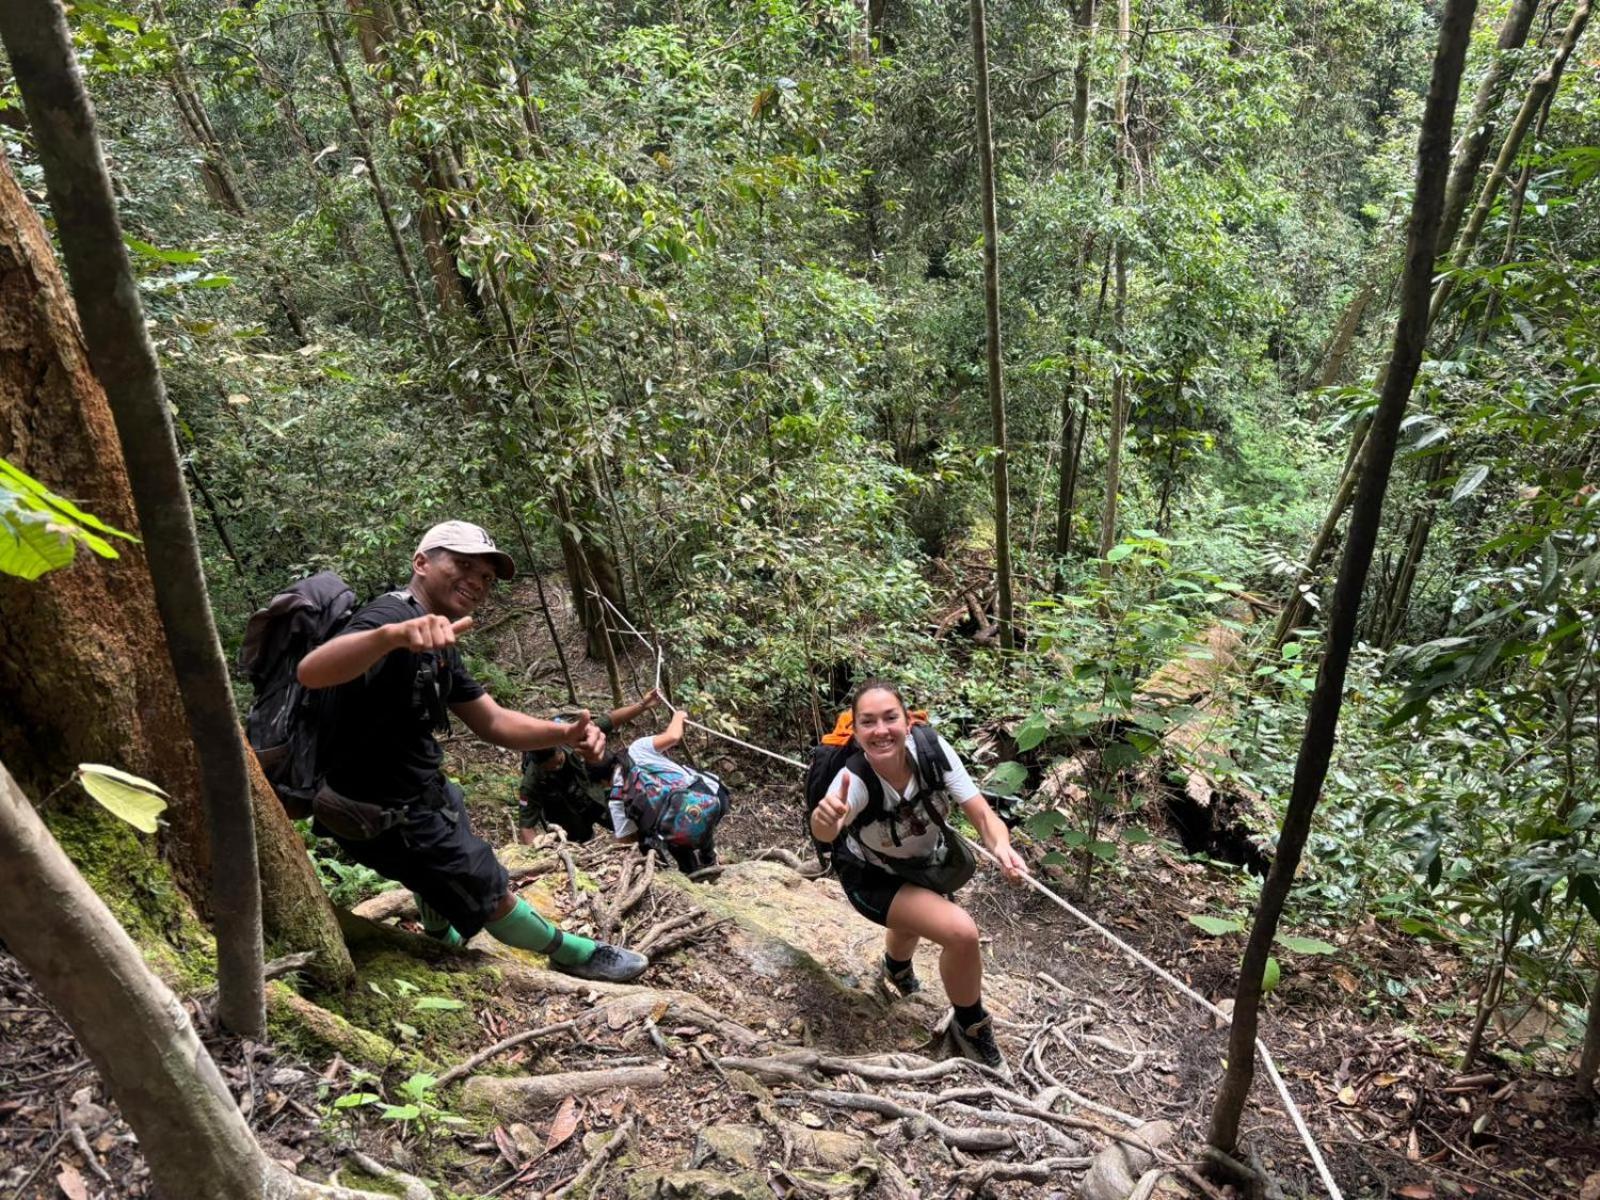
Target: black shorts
<point>870,889</point>
<point>435,853</point>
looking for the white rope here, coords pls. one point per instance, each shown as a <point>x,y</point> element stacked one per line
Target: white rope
<point>1162,973</point>
<point>1149,964</point>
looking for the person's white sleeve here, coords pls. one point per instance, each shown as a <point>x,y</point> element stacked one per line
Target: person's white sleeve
<point>643,751</point>
<point>856,797</point>
<point>956,780</point>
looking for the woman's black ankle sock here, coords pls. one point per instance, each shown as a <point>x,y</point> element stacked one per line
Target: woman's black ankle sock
<point>895,965</point>
<point>970,1014</point>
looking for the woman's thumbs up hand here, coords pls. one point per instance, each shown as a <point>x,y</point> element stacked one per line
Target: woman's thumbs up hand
<point>830,815</point>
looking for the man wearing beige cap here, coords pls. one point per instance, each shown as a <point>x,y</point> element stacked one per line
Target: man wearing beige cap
<point>386,800</point>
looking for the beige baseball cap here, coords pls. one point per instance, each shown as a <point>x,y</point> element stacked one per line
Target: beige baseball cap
<point>464,537</point>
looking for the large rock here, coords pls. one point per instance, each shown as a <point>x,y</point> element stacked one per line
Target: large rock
<point>736,1145</point>
<point>807,951</point>
<point>697,1185</point>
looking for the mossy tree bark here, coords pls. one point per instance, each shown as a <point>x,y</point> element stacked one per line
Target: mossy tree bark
<point>1322,717</point>
<point>84,672</point>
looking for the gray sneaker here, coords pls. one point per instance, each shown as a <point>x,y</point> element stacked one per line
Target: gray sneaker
<point>608,964</point>
<point>976,1042</point>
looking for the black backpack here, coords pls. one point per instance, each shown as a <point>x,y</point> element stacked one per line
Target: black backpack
<point>834,755</point>
<point>285,718</point>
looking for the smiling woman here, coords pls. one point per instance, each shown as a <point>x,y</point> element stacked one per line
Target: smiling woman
<point>899,861</point>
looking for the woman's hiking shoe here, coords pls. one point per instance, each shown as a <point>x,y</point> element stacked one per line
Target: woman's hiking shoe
<point>903,982</point>
<point>976,1042</point>
<point>608,964</point>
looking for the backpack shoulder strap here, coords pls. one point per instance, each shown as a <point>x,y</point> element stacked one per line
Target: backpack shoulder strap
<point>932,763</point>
<point>856,764</point>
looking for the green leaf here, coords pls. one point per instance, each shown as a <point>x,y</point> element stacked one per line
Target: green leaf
<point>1270,977</point>
<point>1137,835</point>
<point>1469,482</point>
<point>1118,553</point>
<point>1055,859</point>
<point>40,531</point>
<point>1046,822</point>
<point>1215,926</point>
<point>355,1100</point>
<point>1305,945</point>
<point>137,801</point>
<point>438,1004</point>
<point>146,250</point>
<point>1104,851</point>
<point>1008,777</point>
<point>1032,731</point>
<point>401,1112</point>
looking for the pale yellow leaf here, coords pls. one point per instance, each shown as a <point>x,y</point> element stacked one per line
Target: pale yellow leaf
<point>137,801</point>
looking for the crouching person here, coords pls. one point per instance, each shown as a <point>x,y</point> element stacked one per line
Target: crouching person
<point>666,806</point>
<point>386,800</point>
<point>570,786</point>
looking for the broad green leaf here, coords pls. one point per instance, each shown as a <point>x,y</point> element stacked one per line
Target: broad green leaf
<point>176,257</point>
<point>438,1004</point>
<point>1215,926</point>
<point>137,801</point>
<point>1104,851</point>
<point>1270,977</point>
<point>1137,835</point>
<point>1118,553</point>
<point>1032,731</point>
<point>1055,859</point>
<point>1046,822</point>
<point>355,1100</point>
<point>401,1112</point>
<point>1305,945</point>
<point>1008,777</point>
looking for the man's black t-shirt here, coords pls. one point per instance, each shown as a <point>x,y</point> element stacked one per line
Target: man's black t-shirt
<point>380,746</point>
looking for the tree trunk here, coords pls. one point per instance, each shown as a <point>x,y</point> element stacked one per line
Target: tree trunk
<point>108,693</point>
<point>1333,358</point>
<point>1316,747</point>
<point>380,193</point>
<point>1416,542</point>
<point>1119,309</point>
<point>1589,1064</point>
<point>1489,999</point>
<point>1543,86</point>
<point>1066,481</point>
<point>191,1133</point>
<point>991,305</point>
<point>1539,92</point>
<point>1479,127</point>
<point>79,187</point>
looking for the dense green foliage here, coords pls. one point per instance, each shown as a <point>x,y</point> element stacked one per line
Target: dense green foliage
<point>695,287</point>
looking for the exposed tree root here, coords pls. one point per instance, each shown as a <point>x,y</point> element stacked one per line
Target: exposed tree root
<point>468,1065</point>
<point>597,1161</point>
<point>333,1031</point>
<point>978,1141</point>
<point>521,1095</point>
<point>682,1006</point>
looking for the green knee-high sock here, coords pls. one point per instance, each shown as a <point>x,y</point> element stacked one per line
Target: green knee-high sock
<point>524,928</point>
<point>435,924</point>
